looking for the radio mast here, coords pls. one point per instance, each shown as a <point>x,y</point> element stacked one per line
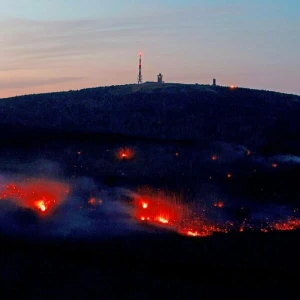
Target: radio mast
<point>140,77</point>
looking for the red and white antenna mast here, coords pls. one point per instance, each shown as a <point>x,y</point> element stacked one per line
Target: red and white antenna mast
<point>140,77</point>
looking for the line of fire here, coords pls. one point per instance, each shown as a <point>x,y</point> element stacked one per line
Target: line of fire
<point>151,207</point>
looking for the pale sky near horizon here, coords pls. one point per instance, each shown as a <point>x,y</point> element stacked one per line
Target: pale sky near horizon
<point>55,45</point>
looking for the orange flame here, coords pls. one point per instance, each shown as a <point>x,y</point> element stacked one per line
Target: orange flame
<point>41,205</point>
<point>92,201</point>
<point>39,195</point>
<point>219,204</point>
<point>163,220</point>
<point>157,208</point>
<point>125,154</point>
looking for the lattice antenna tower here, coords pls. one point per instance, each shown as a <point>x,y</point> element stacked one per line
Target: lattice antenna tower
<point>140,76</point>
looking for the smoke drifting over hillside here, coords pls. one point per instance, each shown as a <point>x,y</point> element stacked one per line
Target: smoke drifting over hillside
<point>79,208</point>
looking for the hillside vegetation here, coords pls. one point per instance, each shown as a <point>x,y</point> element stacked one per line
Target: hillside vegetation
<point>259,119</point>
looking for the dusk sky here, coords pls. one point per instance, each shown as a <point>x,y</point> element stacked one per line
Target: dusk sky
<point>55,45</point>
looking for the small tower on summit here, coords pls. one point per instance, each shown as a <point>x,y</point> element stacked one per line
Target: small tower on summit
<point>214,82</point>
<point>140,77</point>
<point>160,78</point>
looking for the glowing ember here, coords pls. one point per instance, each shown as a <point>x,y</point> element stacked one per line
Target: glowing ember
<point>248,152</point>
<point>159,209</point>
<point>92,201</point>
<point>274,165</point>
<point>214,157</point>
<point>163,220</point>
<point>290,224</point>
<point>41,205</point>
<point>229,175</point>
<point>193,233</point>
<point>219,204</point>
<point>39,195</point>
<point>125,154</point>
<point>176,154</point>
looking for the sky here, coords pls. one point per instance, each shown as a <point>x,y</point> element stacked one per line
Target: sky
<point>57,45</point>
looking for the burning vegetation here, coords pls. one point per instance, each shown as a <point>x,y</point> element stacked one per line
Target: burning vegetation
<point>41,196</point>
<point>125,153</point>
<point>156,208</point>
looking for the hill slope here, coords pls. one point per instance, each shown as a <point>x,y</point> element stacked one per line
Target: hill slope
<point>260,119</point>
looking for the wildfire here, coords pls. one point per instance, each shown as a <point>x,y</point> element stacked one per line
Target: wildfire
<point>42,206</point>
<point>92,201</point>
<point>193,233</point>
<point>125,154</point>
<point>163,220</point>
<point>158,209</point>
<point>219,204</point>
<point>290,224</point>
<point>39,195</point>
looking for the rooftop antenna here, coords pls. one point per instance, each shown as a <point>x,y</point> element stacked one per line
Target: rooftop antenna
<point>140,77</point>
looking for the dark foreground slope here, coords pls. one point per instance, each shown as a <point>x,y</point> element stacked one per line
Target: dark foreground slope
<point>254,266</point>
<point>258,119</point>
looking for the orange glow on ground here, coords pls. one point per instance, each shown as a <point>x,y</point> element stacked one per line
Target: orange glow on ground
<point>248,152</point>
<point>162,210</point>
<point>274,165</point>
<point>169,211</point>
<point>125,154</point>
<point>290,224</point>
<point>41,205</point>
<point>92,201</point>
<point>39,195</point>
<point>229,175</point>
<point>219,204</point>
<point>193,233</point>
<point>214,157</point>
<point>162,220</point>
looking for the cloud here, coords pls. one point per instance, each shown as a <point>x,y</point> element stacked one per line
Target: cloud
<point>23,83</point>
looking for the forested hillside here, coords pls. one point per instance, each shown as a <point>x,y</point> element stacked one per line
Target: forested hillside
<point>260,119</point>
